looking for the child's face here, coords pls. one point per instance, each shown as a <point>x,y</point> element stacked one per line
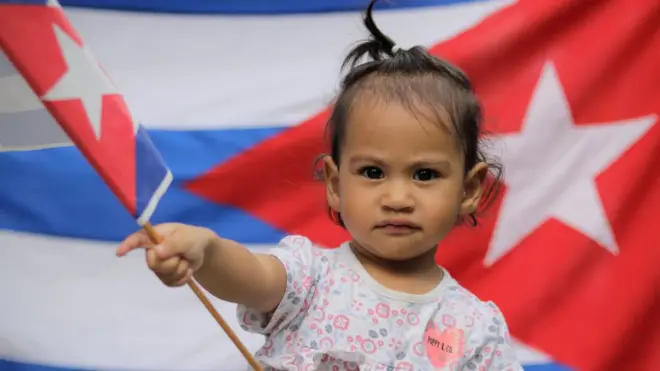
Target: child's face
<point>401,183</point>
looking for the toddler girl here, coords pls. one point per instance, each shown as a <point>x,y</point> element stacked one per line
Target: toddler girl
<point>405,168</point>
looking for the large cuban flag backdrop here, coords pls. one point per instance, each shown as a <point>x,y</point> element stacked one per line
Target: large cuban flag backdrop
<point>234,94</point>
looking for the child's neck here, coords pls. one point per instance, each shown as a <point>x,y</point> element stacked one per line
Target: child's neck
<point>414,276</point>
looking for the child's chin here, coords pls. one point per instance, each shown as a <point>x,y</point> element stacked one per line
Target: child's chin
<point>400,253</point>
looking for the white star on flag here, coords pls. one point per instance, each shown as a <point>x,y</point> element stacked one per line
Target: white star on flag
<point>83,80</point>
<point>551,166</point>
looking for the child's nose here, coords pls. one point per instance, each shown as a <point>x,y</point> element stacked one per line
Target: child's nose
<point>398,197</point>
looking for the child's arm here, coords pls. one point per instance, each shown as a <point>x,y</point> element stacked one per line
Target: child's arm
<point>271,290</point>
<point>233,273</point>
<point>225,268</point>
<point>305,266</point>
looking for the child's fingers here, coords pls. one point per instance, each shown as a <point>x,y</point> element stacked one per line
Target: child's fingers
<point>185,279</point>
<point>164,267</point>
<point>172,271</point>
<point>180,276</point>
<point>140,239</point>
<point>135,241</point>
<point>177,243</point>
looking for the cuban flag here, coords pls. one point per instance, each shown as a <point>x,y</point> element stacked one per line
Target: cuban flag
<point>56,94</point>
<point>235,95</point>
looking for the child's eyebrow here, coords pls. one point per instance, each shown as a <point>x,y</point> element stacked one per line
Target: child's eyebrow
<point>422,161</point>
<point>366,158</point>
<point>434,162</point>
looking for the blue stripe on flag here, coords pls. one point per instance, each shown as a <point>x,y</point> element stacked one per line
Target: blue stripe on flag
<point>254,6</point>
<point>56,192</point>
<point>150,170</point>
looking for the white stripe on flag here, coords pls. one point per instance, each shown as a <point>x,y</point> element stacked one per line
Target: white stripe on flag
<point>25,124</point>
<point>218,71</point>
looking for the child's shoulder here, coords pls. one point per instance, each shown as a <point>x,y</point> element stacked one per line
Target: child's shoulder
<point>461,305</point>
<point>464,301</point>
<point>302,247</point>
<point>300,253</point>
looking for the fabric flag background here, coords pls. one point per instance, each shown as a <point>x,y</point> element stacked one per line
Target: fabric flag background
<point>235,104</point>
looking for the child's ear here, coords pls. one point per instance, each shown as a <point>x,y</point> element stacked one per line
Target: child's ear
<point>331,178</point>
<point>473,187</point>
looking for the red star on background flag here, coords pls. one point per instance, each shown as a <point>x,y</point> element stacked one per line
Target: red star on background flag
<point>578,279</point>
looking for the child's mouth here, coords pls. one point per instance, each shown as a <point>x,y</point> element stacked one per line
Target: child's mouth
<point>397,227</point>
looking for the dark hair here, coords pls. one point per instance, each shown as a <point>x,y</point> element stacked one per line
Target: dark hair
<point>411,77</point>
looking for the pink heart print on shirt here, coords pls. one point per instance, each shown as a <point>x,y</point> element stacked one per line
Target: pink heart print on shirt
<point>443,347</point>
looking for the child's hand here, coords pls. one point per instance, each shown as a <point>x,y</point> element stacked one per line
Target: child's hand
<point>179,255</point>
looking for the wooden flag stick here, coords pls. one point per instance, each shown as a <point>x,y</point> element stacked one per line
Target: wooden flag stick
<point>156,238</point>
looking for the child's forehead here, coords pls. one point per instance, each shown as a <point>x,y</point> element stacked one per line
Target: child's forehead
<point>423,99</point>
<point>377,117</point>
<point>398,128</point>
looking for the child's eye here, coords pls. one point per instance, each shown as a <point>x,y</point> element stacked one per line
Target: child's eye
<point>371,172</point>
<point>425,175</point>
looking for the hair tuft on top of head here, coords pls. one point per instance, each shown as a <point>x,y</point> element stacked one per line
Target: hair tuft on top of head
<point>377,46</point>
